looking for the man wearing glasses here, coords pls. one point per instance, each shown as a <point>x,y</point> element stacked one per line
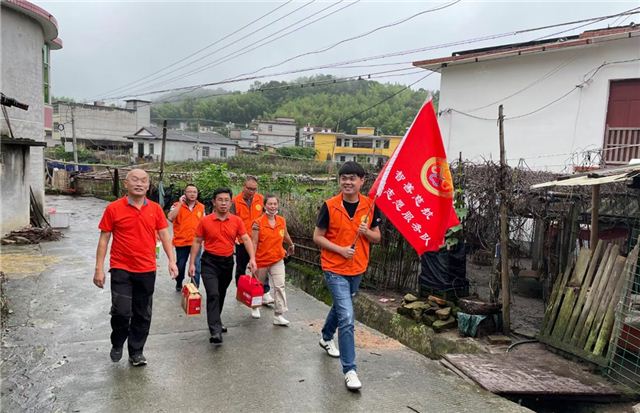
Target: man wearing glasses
<point>248,205</point>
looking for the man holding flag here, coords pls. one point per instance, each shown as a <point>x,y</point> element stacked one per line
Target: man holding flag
<point>346,225</point>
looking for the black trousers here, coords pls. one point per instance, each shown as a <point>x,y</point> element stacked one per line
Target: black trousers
<point>242,260</point>
<point>217,273</point>
<point>131,303</point>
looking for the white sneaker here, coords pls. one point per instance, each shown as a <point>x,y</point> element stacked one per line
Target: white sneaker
<point>255,312</point>
<point>267,299</point>
<point>352,381</point>
<point>329,347</point>
<point>280,321</point>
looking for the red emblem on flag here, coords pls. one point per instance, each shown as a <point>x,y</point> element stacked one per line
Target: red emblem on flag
<point>415,189</point>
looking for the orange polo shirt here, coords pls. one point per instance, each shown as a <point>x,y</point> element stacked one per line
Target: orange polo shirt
<point>270,249</point>
<point>186,222</point>
<point>342,231</point>
<point>134,234</point>
<point>220,235</point>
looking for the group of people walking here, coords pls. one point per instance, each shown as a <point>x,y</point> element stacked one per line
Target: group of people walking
<point>244,231</point>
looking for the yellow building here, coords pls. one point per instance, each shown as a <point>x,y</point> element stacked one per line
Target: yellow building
<point>363,147</point>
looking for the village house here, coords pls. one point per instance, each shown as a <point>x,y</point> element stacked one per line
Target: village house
<point>306,133</point>
<point>276,133</point>
<point>569,102</point>
<point>364,146</point>
<point>29,33</point>
<point>180,145</point>
<point>244,138</point>
<point>98,127</point>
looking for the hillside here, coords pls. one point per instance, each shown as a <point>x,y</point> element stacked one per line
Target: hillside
<point>319,102</point>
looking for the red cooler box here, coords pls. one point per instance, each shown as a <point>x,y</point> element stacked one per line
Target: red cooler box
<point>249,291</point>
<point>191,299</point>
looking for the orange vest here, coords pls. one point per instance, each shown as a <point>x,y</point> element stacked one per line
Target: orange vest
<point>246,214</point>
<point>342,231</point>
<point>185,224</point>
<point>270,249</point>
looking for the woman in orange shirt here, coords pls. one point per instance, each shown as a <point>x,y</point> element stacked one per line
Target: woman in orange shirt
<point>269,233</point>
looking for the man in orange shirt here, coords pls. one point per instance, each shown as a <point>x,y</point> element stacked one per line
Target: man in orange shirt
<point>133,221</point>
<point>186,215</point>
<point>347,224</point>
<point>248,205</point>
<point>219,232</point>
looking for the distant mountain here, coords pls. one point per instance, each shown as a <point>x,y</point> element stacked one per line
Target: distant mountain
<point>196,93</point>
<point>319,100</point>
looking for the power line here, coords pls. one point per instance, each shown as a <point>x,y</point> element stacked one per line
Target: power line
<point>199,50</point>
<point>253,46</point>
<point>377,57</point>
<point>324,49</point>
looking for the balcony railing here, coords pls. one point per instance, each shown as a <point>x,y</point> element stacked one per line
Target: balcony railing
<point>621,145</point>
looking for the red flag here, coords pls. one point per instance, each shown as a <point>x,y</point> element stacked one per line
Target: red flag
<point>415,189</point>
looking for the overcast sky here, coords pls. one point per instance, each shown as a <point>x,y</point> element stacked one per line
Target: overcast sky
<point>108,45</point>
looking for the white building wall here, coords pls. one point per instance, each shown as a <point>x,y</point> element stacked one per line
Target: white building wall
<point>21,78</point>
<point>177,151</point>
<point>548,138</point>
<point>98,122</point>
<point>279,135</point>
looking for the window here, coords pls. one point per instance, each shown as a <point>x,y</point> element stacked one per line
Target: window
<point>378,143</point>
<point>386,143</point>
<point>223,152</point>
<point>45,73</point>
<point>150,149</point>
<point>140,150</point>
<point>205,151</point>
<point>342,158</point>
<point>339,142</point>
<point>270,128</point>
<point>362,143</point>
<point>347,143</point>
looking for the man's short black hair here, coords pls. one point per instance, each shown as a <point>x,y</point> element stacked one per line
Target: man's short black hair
<point>188,185</point>
<point>222,191</point>
<point>352,168</point>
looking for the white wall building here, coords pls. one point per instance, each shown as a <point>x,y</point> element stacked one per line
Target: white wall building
<point>28,33</point>
<point>276,133</point>
<point>566,101</point>
<point>100,127</point>
<point>305,135</point>
<point>181,145</point>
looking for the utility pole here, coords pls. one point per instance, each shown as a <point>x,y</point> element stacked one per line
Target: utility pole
<point>75,143</point>
<point>504,232</point>
<point>164,143</point>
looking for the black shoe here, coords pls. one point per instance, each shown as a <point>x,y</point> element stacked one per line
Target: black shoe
<point>216,339</point>
<point>116,354</point>
<point>178,288</point>
<point>224,328</point>
<point>137,360</point>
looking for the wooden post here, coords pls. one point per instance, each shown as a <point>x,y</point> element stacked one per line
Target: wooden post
<point>75,143</point>
<point>595,207</point>
<point>504,231</point>
<point>164,143</point>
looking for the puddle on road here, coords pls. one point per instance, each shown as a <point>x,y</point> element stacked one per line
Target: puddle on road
<point>365,339</point>
<point>17,266</point>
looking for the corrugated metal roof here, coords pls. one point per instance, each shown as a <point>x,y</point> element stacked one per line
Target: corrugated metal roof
<point>604,176</point>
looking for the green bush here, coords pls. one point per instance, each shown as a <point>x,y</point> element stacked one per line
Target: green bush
<point>297,152</point>
<point>212,177</point>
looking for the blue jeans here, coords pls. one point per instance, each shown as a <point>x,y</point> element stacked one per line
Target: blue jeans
<point>341,317</point>
<point>182,258</point>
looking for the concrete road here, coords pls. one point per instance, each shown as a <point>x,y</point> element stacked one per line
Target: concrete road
<point>55,349</point>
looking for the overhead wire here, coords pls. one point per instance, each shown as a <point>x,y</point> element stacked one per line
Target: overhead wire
<point>375,57</point>
<point>254,46</point>
<point>367,33</point>
<point>199,50</point>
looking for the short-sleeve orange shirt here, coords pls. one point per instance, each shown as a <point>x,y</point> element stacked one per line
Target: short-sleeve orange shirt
<point>220,235</point>
<point>134,234</point>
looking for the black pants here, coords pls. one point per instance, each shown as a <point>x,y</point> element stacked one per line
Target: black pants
<point>217,273</point>
<point>131,302</point>
<point>242,260</point>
